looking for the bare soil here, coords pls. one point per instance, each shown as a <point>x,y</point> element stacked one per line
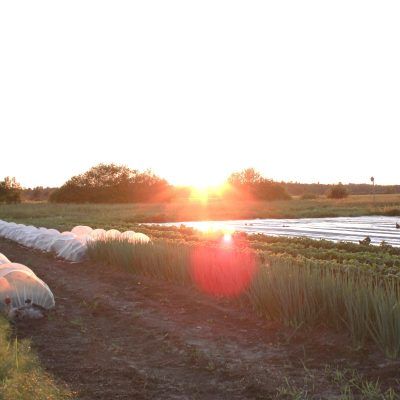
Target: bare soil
<point>114,335</point>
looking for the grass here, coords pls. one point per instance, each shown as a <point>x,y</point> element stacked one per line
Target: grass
<point>21,376</point>
<point>125,216</point>
<point>381,260</point>
<point>301,282</point>
<point>348,382</point>
<point>299,292</point>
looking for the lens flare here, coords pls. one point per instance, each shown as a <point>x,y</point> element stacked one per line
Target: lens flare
<point>227,237</point>
<point>215,230</point>
<point>222,271</point>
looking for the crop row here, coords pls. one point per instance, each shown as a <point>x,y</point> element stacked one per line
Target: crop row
<point>295,291</point>
<point>382,260</point>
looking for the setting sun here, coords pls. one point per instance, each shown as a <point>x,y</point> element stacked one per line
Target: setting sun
<point>205,193</point>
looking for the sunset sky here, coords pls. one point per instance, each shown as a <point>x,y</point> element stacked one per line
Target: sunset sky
<point>302,90</point>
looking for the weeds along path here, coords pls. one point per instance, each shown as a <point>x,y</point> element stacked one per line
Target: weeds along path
<point>117,336</point>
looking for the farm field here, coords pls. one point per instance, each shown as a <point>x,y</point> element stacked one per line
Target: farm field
<point>115,334</point>
<point>199,200</point>
<point>192,315</point>
<point>123,216</point>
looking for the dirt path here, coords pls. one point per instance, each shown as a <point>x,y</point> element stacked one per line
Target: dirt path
<point>117,336</point>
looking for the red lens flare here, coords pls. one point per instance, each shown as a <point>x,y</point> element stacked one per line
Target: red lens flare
<point>222,271</point>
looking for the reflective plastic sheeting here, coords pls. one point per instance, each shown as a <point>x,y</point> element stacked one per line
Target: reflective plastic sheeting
<point>81,230</point>
<point>19,283</point>
<point>48,240</point>
<point>60,243</point>
<point>4,259</point>
<point>134,237</point>
<point>97,234</point>
<point>141,237</point>
<point>128,236</point>
<point>71,246</point>
<point>113,234</point>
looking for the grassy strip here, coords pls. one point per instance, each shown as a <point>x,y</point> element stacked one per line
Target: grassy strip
<point>295,291</point>
<point>21,376</point>
<point>124,216</point>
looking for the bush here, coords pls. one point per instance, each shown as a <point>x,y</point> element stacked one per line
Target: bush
<point>338,192</point>
<point>38,193</point>
<point>250,183</point>
<point>110,183</point>
<point>10,191</point>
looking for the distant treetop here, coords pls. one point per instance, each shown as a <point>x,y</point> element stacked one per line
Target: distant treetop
<point>10,190</point>
<point>111,183</point>
<point>250,183</point>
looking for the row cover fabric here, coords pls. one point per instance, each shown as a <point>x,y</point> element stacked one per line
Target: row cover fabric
<point>19,283</point>
<point>4,259</point>
<point>71,246</point>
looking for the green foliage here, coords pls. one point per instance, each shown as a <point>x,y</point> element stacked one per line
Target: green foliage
<point>378,260</point>
<point>348,382</point>
<point>166,260</point>
<point>296,291</point>
<point>10,191</point>
<point>250,183</point>
<point>21,376</point>
<point>124,216</point>
<point>110,183</point>
<point>303,292</point>
<point>320,189</point>
<point>38,193</point>
<point>338,192</point>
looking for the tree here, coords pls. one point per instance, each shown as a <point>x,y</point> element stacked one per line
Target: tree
<point>111,183</point>
<point>250,182</point>
<point>247,176</point>
<point>38,193</point>
<point>338,192</point>
<point>10,191</point>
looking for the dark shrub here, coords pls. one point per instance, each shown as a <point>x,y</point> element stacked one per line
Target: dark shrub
<point>250,183</point>
<point>337,192</point>
<point>10,191</point>
<point>110,183</point>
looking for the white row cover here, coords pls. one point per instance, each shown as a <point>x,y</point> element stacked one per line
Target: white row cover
<point>70,246</point>
<point>19,283</point>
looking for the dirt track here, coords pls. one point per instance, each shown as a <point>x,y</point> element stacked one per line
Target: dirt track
<point>117,336</point>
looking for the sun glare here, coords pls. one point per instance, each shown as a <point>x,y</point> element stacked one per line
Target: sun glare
<point>227,237</point>
<point>216,229</point>
<point>205,193</point>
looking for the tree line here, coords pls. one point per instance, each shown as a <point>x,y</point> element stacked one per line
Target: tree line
<point>111,183</point>
<point>320,189</point>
